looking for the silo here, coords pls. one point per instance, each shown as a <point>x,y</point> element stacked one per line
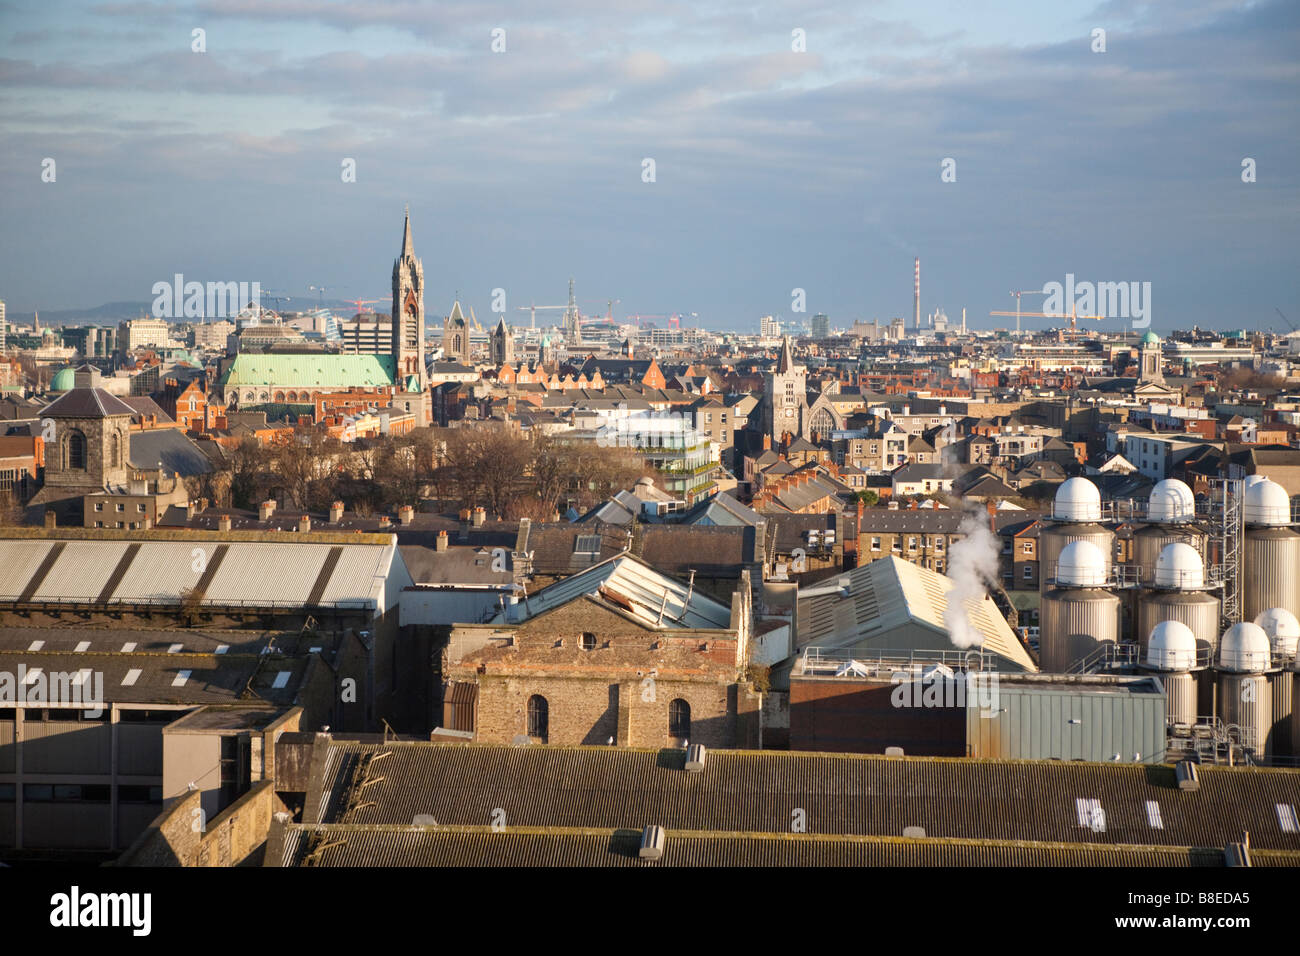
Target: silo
<point>1171,510</point>
<point>1178,594</point>
<point>1076,513</point>
<point>1271,552</point>
<point>1283,632</point>
<point>1077,616</point>
<point>1171,651</point>
<point>1245,700</point>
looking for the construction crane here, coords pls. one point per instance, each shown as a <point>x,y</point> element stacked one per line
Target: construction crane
<point>534,309</point>
<point>1018,295</point>
<point>641,324</point>
<point>1074,317</point>
<point>1285,319</point>
<point>358,303</point>
<point>609,309</point>
<point>474,321</point>
<point>320,291</point>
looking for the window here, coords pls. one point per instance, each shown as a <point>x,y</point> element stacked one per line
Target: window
<point>538,717</point>
<point>679,719</point>
<point>587,544</point>
<point>76,452</point>
<point>1027,547</point>
<point>121,506</point>
<point>938,543</point>
<point>140,508</point>
<point>587,642</point>
<point>1029,572</point>
<point>875,544</point>
<point>911,544</point>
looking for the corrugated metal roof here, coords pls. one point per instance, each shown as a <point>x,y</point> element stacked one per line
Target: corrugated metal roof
<point>296,844</point>
<point>250,572</point>
<point>740,791</point>
<point>886,596</point>
<point>636,588</point>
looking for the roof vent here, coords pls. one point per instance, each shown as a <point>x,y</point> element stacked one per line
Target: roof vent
<point>914,833</point>
<point>893,751</point>
<point>653,840</point>
<point>1188,777</point>
<point>1238,854</point>
<point>695,758</point>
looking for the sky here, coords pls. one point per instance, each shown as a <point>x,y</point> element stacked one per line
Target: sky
<point>775,169</point>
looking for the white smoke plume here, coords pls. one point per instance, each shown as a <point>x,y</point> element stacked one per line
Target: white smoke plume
<point>972,561</point>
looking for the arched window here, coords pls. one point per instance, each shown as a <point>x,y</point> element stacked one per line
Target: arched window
<point>679,719</point>
<point>279,396</point>
<point>588,641</point>
<point>116,455</point>
<point>76,452</point>
<point>823,422</point>
<point>537,717</point>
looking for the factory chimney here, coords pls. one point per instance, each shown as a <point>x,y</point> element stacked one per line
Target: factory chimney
<point>916,296</point>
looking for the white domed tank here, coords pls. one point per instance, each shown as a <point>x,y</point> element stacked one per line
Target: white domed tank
<point>1081,565</point>
<point>1179,567</point>
<point>1179,595</point>
<point>1077,617</point>
<point>1245,693</point>
<point>1271,552</point>
<point>1283,632</point>
<point>1077,500</point>
<point>1171,502</point>
<point>1076,511</point>
<point>1171,650</point>
<point>1171,509</point>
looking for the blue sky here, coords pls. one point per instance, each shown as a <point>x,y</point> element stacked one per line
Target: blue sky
<point>775,169</point>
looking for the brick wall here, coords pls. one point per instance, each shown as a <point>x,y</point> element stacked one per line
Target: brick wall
<point>177,836</point>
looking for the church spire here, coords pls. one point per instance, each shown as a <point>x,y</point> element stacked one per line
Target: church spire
<point>786,361</point>
<point>408,247</point>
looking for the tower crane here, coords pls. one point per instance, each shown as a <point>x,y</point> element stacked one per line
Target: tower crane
<point>534,309</point>
<point>358,303</point>
<point>1074,317</point>
<point>1018,295</point>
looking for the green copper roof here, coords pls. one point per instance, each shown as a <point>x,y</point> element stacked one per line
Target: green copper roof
<point>413,383</point>
<point>1150,339</point>
<point>310,369</point>
<point>65,380</point>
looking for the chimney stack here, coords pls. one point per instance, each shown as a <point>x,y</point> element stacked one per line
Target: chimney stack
<point>479,518</point>
<point>385,521</point>
<point>304,523</point>
<point>406,514</point>
<point>223,523</point>
<point>191,509</point>
<point>336,512</point>
<point>441,541</point>
<point>916,296</point>
<point>265,510</point>
<point>464,524</point>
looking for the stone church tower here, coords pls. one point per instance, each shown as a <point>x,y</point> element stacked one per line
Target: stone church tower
<point>503,345</point>
<point>455,336</point>
<point>408,313</point>
<point>785,398</point>
<point>1151,360</point>
<point>88,443</point>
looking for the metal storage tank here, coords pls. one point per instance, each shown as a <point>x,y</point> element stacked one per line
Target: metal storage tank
<point>1077,617</point>
<point>1271,552</point>
<point>1245,698</point>
<point>1171,509</point>
<point>1171,651</point>
<point>1076,509</point>
<point>1178,579</point>
<point>1283,632</point>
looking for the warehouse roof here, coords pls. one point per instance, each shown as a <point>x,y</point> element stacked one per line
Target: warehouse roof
<point>212,569</point>
<point>634,588</point>
<point>428,845</point>
<point>756,791</point>
<point>891,604</point>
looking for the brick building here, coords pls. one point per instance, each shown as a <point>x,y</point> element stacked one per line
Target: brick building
<point>616,654</point>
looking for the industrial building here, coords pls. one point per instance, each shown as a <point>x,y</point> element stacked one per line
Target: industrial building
<point>422,803</point>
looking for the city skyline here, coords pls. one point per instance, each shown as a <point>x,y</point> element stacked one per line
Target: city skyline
<point>774,170</point>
